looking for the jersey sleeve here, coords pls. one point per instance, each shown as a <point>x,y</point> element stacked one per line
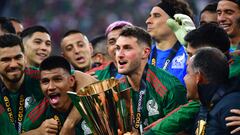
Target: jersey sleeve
<point>173,98</point>
<point>180,119</point>
<point>35,115</point>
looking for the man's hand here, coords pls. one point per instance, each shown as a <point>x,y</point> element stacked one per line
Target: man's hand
<point>133,132</point>
<point>234,121</point>
<point>181,25</point>
<point>48,127</point>
<point>70,123</point>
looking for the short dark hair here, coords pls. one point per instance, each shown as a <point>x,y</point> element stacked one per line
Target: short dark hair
<point>208,35</point>
<point>53,62</point>
<point>6,25</point>
<point>15,19</point>
<point>172,7</point>
<point>206,60</point>
<point>211,7</point>
<point>99,44</point>
<point>70,32</point>
<point>31,30</point>
<point>137,32</point>
<point>11,40</point>
<point>74,31</point>
<point>234,1</point>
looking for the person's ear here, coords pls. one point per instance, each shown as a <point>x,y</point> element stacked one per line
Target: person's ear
<point>146,52</point>
<point>200,78</point>
<point>91,48</point>
<point>72,80</point>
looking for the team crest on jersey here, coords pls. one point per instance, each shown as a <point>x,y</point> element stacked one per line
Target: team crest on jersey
<point>85,128</point>
<point>28,102</point>
<point>152,107</point>
<point>179,61</point>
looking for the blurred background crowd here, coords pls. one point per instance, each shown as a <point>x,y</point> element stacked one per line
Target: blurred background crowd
<point>89,16</point>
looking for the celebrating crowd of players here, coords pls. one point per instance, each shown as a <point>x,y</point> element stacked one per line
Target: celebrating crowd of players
<point>183,79</point>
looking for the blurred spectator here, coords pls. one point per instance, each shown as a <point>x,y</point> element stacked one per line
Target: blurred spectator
<point>100,54</point>
<point>6,26</point>
<point>209,14</point>
<point>90,16</point>
<point>17,24</point>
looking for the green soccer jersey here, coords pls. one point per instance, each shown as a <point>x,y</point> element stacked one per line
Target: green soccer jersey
<point>163,94</point>
<point>107,72</point>
<point>103,74</point>
<point>42,111</point>
<point>27,95</point>
<point>235,67</point>
<point>180,119</point>
<point>6,127</point>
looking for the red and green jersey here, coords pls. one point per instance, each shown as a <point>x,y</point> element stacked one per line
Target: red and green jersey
<point>106,72</point>
<point>18,102</point>
<point>180,119</point>
<point>42,111</point>
<point>163,93</point>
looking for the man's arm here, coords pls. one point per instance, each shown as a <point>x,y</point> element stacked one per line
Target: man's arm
<point>49,127</point>
<point>82,80</point>
<point>176,121</point>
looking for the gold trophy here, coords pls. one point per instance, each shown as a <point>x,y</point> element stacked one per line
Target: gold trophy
<point>105,108</point>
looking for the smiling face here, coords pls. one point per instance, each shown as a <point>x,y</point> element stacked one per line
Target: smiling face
<point>55,83</point>
<point>77,50</point>
<point>228,16</point>
<point>12,64</point>
<point>156,23</point>
<point>37,48</point>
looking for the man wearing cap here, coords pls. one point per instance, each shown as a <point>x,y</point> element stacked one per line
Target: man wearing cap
<point>167,52</point>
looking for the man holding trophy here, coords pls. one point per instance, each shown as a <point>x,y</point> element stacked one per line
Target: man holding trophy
<point>154,92</point>
<point>142,96</point>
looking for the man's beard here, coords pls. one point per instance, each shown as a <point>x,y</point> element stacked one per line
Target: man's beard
<point>238,27</point>
<point>14,80</point>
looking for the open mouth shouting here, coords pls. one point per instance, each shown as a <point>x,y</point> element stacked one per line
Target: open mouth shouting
<point>54,98</point>
<point>121,63</point>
